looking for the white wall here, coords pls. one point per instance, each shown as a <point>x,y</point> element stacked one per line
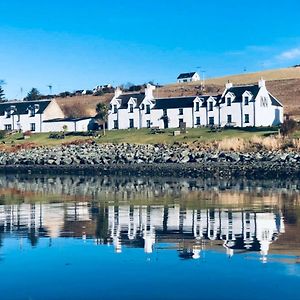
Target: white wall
<point>77,126</point>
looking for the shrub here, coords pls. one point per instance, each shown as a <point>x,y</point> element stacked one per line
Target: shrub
<point>288,127</point>
<point>56,135</point>
<point>2,134</point>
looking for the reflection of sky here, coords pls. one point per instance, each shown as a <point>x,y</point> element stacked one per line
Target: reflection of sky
<point>78,269</point>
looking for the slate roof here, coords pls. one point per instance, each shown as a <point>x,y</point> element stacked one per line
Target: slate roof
<point>126,97</point>
<point>186,75</point>
<point>274,101</point>
<point>67,119</point>
<point>23,106</point>
<point>205,98</point>
<point>179,102</point>
<point>238,91</point>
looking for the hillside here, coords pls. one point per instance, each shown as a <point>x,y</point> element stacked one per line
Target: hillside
<point>282,83</point>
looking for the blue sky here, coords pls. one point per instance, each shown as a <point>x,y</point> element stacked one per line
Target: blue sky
<point>79,44</point>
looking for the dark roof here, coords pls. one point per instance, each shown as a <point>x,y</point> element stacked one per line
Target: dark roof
<point>181,102</point>
<point>186,75</point>
<point>126,97</point>
<point>274,101</point>
<point>238,91</point>
<point>23,106</point>
<point>205,98</point>
<point>67,119</point>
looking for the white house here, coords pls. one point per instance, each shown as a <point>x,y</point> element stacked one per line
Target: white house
<point>28,115</point>
<point>39,116</point>
<point>131,110</point>
<point>250,105</point>
<point>188,77</point>
<point>238,106</point>
<point>69,124</point>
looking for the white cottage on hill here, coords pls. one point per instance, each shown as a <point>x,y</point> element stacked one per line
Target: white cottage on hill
<point>238,106</point>
<point>39,116</point>
<point>188,77</point>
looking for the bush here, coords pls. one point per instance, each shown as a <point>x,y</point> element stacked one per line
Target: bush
<point>288,127</point>
<point>2,134</point>
<point>56,135</point>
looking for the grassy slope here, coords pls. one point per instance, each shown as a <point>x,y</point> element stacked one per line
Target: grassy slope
<point>282,83</point>
<point>142,136</point>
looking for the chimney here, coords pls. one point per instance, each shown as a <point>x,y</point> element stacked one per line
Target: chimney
<point>261,83</point>
<point>149,91</point>
<point>118,92</point>
<point>228,85</point>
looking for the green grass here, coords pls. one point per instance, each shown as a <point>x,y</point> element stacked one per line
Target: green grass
<point>143,136</point>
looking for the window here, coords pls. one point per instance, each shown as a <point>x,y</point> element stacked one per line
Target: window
<point>180,121</point>
<point>131,123</point>
<point>211,121</point>
<point>197,106</point>
<point>32,112</point>
<point>32,126</point>
<point>116,125</point>
<point>147,109</point>
<point>7,127</point>
<point>246,118</point>
<point>8,114</point>
<point>210,106</point>
<point>148,123</point>
<point>228,101</point>
<point>165,113</point>
<point>197,120</point>
<point>263,102</point>
<point>180,111</point>
<point>246,100</point>
<point>115,109</point>
<point>131,108</point>
<point>229,119</point>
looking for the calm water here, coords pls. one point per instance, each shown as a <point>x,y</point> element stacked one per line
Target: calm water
<point>112,238</point>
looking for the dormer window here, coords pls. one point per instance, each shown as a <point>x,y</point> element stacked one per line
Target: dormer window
<point>147,109</point>
<point>228,101</point>
<point>246,100</point>
<point>8,114</point>
<point>131,108</point>
<point>180,111</point>
<point>210,106</point>
<point>115,109</point>
<point>32,112</point>
<point>197,108</point>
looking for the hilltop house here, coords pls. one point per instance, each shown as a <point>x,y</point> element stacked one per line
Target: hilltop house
<point>38,116</point>
<point>238,106</point>
<point>188,77</point>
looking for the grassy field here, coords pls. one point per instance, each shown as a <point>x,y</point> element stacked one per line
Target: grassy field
<point>141,136</point>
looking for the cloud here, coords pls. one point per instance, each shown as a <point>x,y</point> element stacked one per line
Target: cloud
<point>289,54</point>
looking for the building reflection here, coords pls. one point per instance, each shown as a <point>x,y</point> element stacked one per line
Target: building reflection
<point>191,230</point>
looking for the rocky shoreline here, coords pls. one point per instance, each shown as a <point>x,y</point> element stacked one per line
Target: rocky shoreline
<point>151,160</point>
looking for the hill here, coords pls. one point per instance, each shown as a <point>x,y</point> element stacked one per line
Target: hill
<point>282,83</point>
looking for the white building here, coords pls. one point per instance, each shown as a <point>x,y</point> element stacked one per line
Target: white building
<point>238,106</point>
<point>188,77</point>
<point>39,116</point>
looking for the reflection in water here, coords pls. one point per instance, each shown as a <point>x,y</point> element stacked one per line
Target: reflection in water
<point>80,237</point>
<point>143,226</point>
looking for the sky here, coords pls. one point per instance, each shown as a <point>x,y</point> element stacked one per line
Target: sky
<point>80,44</point>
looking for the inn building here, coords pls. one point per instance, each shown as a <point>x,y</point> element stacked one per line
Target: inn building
<point>238,106</point>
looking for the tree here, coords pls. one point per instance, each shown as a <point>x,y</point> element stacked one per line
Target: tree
<point>34,94</point>
<point>2,95</point>
<point>102,113</point>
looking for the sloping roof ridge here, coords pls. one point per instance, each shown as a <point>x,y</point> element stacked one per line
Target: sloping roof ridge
<point>22,101</point>
<point>179,97</point>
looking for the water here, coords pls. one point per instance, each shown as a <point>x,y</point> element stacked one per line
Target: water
<point>147,238</point>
